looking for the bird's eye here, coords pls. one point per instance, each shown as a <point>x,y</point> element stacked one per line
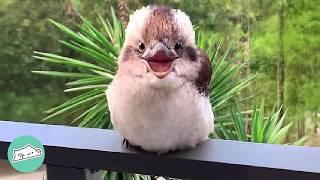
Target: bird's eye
<point>141,46</point>
<point>178,46</point>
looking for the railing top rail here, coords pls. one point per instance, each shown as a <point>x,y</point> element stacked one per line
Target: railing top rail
<point>102,149</point>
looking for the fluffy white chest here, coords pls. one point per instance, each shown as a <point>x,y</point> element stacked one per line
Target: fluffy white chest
<point>159,120</point>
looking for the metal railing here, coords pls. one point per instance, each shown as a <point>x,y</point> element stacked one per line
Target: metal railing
<point>79,154</point>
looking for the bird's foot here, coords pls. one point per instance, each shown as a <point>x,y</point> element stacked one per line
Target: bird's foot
<point>129,145</point>
<point>126,142</point>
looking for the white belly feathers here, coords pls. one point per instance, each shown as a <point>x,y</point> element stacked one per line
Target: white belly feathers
<point>158,120</point>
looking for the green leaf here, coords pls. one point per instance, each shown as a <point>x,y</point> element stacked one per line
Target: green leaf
<point>64,74</point>
<point>80,38</point>
<point>102,86</point>
<point>105,74</point>
<point>76,99</point>
<point>281,135</point>
<point>113,176</point>
<point>301,142</point>
<point>73,106</point>
<point>98,109</point>
<point>87,81</point>
<point>260,123</point>
<point>239,124</point>
<point>82,115</point>
<point>277,127</point>
<point>103,59</point>
<point>271,123</point>
<point>64,60</point>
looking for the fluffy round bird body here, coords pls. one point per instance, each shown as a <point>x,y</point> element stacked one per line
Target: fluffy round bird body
<point>159,99</point>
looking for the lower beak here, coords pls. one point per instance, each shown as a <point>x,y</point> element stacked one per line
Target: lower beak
<point>160,60</point>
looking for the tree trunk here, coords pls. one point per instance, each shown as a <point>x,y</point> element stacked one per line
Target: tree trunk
<point>123,11</point>
<point>301,126</point>
<point>281,64</point>
<point>315,131</point>
<point>69,8</point>
<point>246,51</point>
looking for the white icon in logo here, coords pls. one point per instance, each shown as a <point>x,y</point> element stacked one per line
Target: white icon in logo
<point>25,153</point>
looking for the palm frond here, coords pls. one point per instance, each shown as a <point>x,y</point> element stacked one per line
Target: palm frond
<point>99,48</point>
<point>264,129</point>
<point>225,68</point>
<point>96,69</point>
<point>98,65</point>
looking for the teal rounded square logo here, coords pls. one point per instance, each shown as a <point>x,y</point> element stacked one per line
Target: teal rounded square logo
<point>26,154</point>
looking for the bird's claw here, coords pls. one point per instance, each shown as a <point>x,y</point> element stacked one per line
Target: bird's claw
<point>126,142</point>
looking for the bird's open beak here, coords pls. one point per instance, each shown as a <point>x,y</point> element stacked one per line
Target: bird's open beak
<point>160,60</point>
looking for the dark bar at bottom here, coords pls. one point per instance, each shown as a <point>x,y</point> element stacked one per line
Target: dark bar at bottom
<point>64,173</point>
<point>67,173</point>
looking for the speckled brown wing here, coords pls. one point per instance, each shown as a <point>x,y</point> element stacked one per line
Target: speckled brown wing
<point>203,79</point>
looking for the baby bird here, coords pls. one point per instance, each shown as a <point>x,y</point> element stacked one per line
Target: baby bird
<point>159,99</point>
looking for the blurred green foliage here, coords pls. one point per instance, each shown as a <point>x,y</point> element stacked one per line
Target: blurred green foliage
<point>249,26</point>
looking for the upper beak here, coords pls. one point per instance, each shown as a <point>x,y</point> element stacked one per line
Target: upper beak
<point>159,52</point>
<point>160,59</point>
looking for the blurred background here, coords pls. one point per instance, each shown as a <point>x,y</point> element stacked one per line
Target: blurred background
<point>280,40</point>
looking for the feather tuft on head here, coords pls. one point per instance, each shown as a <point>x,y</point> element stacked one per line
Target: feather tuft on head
<point>138,22</point>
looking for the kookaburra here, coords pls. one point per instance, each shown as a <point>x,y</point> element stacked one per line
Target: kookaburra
<point>159,99</point>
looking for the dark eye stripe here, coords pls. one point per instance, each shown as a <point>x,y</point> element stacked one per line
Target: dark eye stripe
<point>191,53</point>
